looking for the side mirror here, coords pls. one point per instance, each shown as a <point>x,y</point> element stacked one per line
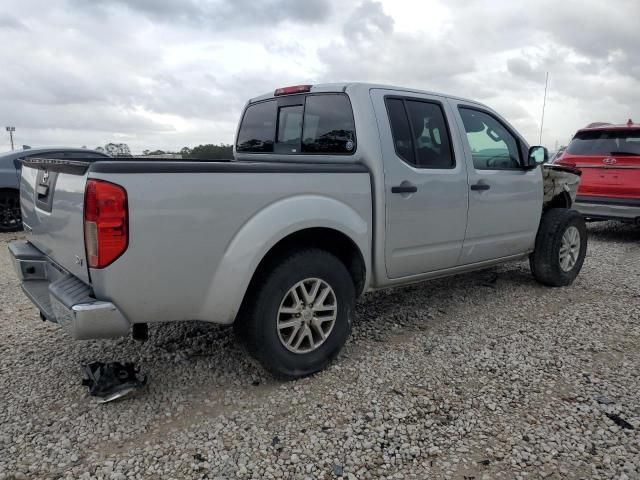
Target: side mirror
<point>537,156</point>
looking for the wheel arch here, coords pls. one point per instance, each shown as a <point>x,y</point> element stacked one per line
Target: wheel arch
<point>562,200</point>
<point>294,222</point>
<point>323,238</point>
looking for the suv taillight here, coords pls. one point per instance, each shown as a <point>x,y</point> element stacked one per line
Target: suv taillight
<point>106,222</point>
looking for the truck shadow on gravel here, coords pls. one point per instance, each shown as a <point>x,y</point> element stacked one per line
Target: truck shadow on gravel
<point>381,316</point>
<point>614,232</point>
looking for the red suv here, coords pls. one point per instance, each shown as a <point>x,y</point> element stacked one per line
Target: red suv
<point>609,158</point>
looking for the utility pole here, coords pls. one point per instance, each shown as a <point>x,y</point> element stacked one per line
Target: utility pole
<point>11,130</point>
<point>544,103</point>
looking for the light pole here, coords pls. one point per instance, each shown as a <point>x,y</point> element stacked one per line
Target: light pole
<point>11,130</point>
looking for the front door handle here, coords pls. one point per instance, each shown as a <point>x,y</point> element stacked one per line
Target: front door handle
<point>480,186</point>
<point>404,187</point>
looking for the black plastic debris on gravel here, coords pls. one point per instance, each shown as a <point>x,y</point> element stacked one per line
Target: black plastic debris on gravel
<point>621,422</point>
<point>113,380</point>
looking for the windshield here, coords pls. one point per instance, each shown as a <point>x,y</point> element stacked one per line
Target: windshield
<point>605,142</point>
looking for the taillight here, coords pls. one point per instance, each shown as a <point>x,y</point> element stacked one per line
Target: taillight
<point>292,90</point>
<point>106,223</point>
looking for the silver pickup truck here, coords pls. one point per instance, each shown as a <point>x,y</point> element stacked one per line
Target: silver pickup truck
<point>334,190</point>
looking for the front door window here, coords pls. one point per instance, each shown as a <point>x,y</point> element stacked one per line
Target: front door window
<point>493,147</point>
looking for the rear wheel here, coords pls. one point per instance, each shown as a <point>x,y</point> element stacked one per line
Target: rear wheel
<point>298,315</point>
<point>561,246</point>
<point>10,216</point>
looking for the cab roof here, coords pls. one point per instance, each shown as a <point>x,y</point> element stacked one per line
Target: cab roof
<point>342,87</point>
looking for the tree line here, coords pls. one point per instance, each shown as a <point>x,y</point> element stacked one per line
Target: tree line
<point>201,152</point>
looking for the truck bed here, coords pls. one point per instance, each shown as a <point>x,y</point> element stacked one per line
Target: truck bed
<point>190,247</point>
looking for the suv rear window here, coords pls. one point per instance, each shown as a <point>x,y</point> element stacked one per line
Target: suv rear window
<point>311,124</point>
<point>605,142</point>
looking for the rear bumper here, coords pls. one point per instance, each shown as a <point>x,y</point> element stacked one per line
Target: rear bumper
<point>64,298</point>
<point>607,207</point>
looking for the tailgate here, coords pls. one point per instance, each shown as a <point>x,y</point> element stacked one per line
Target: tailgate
<point>609,176</point>
<point>52,201</point>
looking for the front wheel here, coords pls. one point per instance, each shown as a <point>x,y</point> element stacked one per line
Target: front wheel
<point>561,246</point>
<point>298,315</point>
<point>10,216</point>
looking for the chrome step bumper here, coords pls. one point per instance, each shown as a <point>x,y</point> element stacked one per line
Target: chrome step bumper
<point>64,298</point>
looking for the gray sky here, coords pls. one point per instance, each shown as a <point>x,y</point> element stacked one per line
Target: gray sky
<point>167,74</point>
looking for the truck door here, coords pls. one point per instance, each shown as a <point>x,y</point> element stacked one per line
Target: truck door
<point>505,201</point>
<point>425,182</point>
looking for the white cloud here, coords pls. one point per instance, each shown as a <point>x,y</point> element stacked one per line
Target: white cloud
<point>165,74</point>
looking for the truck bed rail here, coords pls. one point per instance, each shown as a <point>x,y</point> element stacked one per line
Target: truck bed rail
<point>137,165</point>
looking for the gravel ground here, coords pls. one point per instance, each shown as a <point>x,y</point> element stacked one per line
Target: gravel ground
<point>481,376</point>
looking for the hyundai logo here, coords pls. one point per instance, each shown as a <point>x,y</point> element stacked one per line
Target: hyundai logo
<point>609,161</point>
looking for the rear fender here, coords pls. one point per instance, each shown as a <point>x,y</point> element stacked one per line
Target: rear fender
<point>264,230</point>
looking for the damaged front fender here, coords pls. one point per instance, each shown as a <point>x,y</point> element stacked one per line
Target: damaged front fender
<point>560,183</point>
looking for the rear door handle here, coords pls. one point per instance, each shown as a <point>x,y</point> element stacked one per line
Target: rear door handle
<point>480,186</point>
<point>404,188</point>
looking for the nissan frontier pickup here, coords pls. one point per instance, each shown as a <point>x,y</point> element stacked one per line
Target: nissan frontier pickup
<point>334,190</point>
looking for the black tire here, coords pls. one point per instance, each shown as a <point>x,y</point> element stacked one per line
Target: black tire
<point>10,215</point>
<point>545,260</point>
<point>257,324</point>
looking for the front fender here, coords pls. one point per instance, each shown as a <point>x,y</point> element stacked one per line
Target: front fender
<point>263,231</point>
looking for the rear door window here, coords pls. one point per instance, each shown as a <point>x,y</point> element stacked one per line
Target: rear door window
<point>420,134</point>
<point>294,124</point>
<point>401,130</point>
<point>604,143</point>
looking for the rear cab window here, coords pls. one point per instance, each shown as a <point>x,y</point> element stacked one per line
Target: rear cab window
<point>289,129</point>
<point>299,124</point>
<point>258,130</point>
